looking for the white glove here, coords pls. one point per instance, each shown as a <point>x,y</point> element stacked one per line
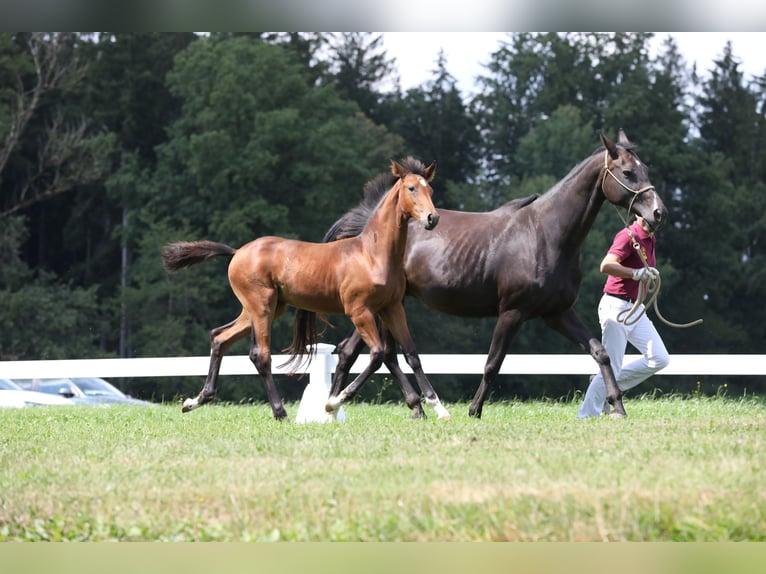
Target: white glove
<point>645,273</point>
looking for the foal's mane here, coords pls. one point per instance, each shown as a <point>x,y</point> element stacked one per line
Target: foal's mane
<point>353,221</point>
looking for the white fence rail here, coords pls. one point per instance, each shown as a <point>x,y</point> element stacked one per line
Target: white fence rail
<point>434,364</point>
<point>319,371</point>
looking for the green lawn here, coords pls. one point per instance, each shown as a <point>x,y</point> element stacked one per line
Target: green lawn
<point>691,469</point>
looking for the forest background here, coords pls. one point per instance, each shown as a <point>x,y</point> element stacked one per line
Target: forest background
<point>112,144</point>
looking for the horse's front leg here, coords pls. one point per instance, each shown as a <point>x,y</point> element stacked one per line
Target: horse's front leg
<point>395,321</point>
<point>613,392</point>
<point>221,339</point>
<point>348,351</point>
<point>569,324</point>
<point>411,397</point>
<point>364,321</point>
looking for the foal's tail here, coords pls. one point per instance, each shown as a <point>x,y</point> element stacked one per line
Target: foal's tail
<point>183,254</point>
<point>305,338</point>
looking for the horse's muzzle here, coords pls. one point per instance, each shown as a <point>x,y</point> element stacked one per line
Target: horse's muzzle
<point>659,218</point>
<point>652,209</point>
<point>432,220</point>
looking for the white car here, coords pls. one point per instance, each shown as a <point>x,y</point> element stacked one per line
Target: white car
<point>82,391</point>
<point>12,395</point>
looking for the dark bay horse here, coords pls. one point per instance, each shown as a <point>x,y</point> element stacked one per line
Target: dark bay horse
<point>518,262</point>
<point>362,277</point>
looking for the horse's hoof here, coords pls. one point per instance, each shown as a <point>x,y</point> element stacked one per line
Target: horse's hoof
<point>188,405</point>
<point>616,415</point>
<point>332,404</point>
<point>441,413</point>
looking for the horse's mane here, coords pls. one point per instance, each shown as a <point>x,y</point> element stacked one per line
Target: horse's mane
<point>629,146</point>
<point>577,169</point>
<point>353,221</point>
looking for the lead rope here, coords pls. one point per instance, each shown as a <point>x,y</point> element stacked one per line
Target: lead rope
<point>650,286</point>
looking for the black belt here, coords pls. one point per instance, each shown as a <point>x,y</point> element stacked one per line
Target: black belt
<point>623,297</point>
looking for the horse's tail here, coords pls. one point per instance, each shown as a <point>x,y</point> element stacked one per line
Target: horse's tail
<point>183,254</point>
<point>305,338</point>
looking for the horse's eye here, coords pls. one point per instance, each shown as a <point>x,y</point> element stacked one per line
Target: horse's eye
<point>629,174</point>
<point>411,188</point>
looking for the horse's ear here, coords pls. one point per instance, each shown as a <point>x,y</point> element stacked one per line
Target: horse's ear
<point>431,171</point>
<point>622,138</point>
<point>397,169</point>
<point>610,146</point>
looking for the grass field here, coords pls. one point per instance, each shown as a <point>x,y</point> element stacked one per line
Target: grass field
<point>679,469</point>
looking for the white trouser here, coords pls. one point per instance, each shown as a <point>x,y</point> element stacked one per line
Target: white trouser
<point>615,336</point>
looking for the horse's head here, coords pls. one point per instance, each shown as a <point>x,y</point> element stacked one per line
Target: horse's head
<point>415,193</point>
<point>625,182</point>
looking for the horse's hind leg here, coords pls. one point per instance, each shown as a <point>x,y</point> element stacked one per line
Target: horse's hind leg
<point>260,355</point>
<point>508,324</point>
<point>411,397</point>
<point>221,340</point>
<point>395,321</point>
<point>260,349</point>
<point>348,351</point>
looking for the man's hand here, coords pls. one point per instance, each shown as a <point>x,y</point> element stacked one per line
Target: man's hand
<point>645,273</point>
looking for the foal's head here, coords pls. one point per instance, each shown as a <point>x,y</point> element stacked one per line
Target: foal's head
<point>625,182</point>
<point>415,193</point>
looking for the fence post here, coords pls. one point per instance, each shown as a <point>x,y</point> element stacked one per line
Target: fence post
<point>311,407</point>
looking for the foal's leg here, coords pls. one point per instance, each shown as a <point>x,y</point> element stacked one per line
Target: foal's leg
<point>260,349</point>
<point>221,340</point>
<point>506,328</point>
<point>395,320</point>
<point>364,321</point>
<point>569,325</point>
<point>348,351</point>
<point>411,397</point>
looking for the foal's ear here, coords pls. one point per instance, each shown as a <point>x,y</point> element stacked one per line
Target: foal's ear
<point>430,171</point>
<point>397,169</point>
<point>610,146</point>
